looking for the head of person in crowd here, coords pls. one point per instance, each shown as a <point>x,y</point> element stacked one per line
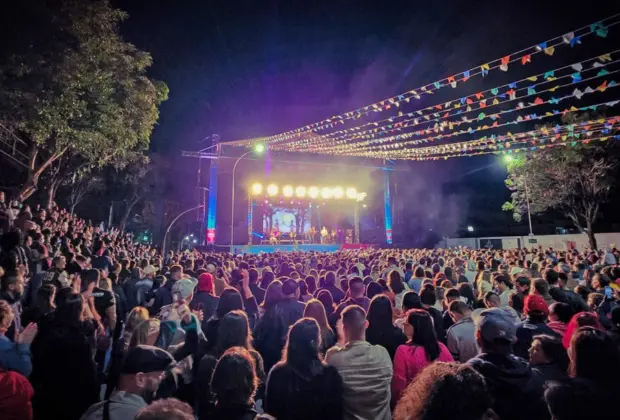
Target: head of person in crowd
<point>445,391</point>
<point>273,294</point>
<point>150,271</point>
<point>12,285</point>
<point>546,350</point>
<point>522,284</point>
<point>581,319</point>
<point>234,331</point>
<point>206,283</point>
<point>267,278</point>
<point>136,317</point>
<point>535,308</point>
<point>315,310</point>
<point>575,399</point>
<point>380,313</point>
<point>495,331</point>
<point>466,292</point>
<point>594,356</point>
<point>354,323</point>
<point>458,310</point>
<point>143,369</point>
<point>450,295</point>
<point>428,297</point>
<point>395,282</point>
<point>327,300</point>
<point>184,288</point>
<point>540,287</point>
<point>301,351</point>
<point>176,272</point>
<point>356,288</point>
<point>234,381</point>
<point>145,333</point>
<point>166,409</point>
<point>311,284</point>
<point>411,300</point>
<point>420,331</point>
<point>373,289</point>
<point>492,300</point>
<point>330,279</point>
<point>229,301</point>
<point>290,289</point>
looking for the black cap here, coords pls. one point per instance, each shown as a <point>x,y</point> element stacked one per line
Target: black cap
<point>289,286</point>
<point>146,359</point>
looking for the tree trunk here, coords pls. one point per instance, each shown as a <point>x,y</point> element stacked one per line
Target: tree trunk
<point>591,237</point>
<point>130,206</point>
<point>34,173</point>
<point>51,193</point>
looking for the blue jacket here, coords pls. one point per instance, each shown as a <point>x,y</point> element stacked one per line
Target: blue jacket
<point>15,356</point>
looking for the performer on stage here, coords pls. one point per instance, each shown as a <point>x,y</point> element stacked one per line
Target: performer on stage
<point>324,235</point>
<point>312,235</point>
<point>334,236</point>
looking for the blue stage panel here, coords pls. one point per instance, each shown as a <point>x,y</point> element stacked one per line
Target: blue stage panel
<point>255,249</point>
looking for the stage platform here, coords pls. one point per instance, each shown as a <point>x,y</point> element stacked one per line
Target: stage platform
<point>256,249</point>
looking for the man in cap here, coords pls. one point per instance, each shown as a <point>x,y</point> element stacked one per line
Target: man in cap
<point>204,299</point>
<point>141,372</point>
<point>516,388</point>
<point>536,312</point>
<point>144,285</point>
<point>164,293</point>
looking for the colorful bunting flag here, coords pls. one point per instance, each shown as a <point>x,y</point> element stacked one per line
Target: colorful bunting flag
<point>577,93</point>
<point>550,75</point>
<point>576,40</point>
<point>577,66</point>
<point>568,37</point>
<point>532,78</point>
<point>504,63</point>
<point>526,59</point>
<point>484,69</point>
<point>576,77</point>
<point>603,72</point>
<point>531,90</point>
<point>465,75</point>
<point>605,57</point>
<point>549,50</point>
<point>452,81</point>
<point>495,91</point>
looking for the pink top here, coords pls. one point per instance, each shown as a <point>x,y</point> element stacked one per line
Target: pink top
<point>408,362</point>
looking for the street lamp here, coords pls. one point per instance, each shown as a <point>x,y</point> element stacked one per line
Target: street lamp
<point>508,159</point>
<point>259,148</point>
<point>470,228</point>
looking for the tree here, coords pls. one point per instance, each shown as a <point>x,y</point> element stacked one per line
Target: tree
<point>80,185</point>
<point>575,180</point>
<point>69,84</point>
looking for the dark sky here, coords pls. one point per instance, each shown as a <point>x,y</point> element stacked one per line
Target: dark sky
<point>251,68</point>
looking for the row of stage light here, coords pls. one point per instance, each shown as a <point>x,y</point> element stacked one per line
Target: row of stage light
<point>313,192</point>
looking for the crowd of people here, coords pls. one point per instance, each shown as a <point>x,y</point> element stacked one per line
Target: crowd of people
<point>95,326</point>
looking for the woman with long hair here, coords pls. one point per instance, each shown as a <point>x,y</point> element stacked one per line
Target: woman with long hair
<point>234,331</point>
<point>273,295</point>
<point>398,286</point>
<point>595,357</point>
<point>64,374</point>
<point>42,305</point>
<point>581,319</point>
<point>301,386</point>
<point>137,315</point>
<point>234,384</point>
<point>316,310</point>
<point>230,300</point>
<point>421,349</point>
<point>266,279</point>
<point>311,284</point>
<point>381,329</point>
<point>549,357</point>
<point>483,286</point>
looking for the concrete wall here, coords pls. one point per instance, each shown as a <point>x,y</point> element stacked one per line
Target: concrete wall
<point>563,242</point>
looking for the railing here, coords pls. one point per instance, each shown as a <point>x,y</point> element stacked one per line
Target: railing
<point>13,148</point>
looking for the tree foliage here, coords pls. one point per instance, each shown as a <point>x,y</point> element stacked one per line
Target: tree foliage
<point>574,180</point>
<point>69,84</point>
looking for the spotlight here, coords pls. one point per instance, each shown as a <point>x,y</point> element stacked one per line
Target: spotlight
<point>364,206</point>
<point>508,158</point>
<point>300,191</point>
<point>257,189</point>
<point>259,148</point>
<point>187,238</point>
<point>338,192</point>
<point>313,192</point>
<point>272,189</point>
<point>287,191</point>
<point>352,193</point>
<point>326,192</point>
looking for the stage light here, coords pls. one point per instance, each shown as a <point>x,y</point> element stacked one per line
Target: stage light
<point>257,189</point>
<point>364,206</point>
<point>272,189</point>
<point>338,192</point>
<point>326,192</point>
<point>259,148</point>
<point>508,158</point>
<point>313,192</point>
<point>352,193</point>
<point>287,191</point>
<point>300,191</point>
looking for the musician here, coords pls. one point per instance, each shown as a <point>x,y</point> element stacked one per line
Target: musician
<point>312,235</point>
<point>324,235</point>
<point>334,236</point>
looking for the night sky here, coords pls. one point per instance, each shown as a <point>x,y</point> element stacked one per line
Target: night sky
<point>251,68</point>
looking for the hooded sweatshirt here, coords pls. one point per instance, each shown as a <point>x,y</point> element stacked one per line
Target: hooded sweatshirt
<point>516,388</point>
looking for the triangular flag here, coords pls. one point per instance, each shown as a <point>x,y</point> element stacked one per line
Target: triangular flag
<point>465,75</point>
<point>484,69</point>
<point>479,95</point>
<point>495,91</point>
<point>550,75</point>
<point>469,101</point>
<point>568,37</point>
<point>538,101</point>
<point>504,61</point>
<point>526,59</point>
<point>589,90</point>
<point>512,94</point>
<point>452,81</point>
<point>512,85</point>
<point>603,72</point>
<point>554,100</point>
<point>605,57</point>
<point>549,50</point>
<point>576,77</point>
<point>577,94</point>
<point>437,85</point>
<point>531,90</point>
<point>541,46</point>
<point>577,66</point>
<point>553,89</point>
<point>532,78</point>
<point>483,103</point>
<point>495,101</point>
<point>603,87</point>
<point>576,40</point>
<point>597,64</point>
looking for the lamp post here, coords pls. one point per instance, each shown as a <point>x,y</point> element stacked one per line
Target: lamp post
<point>163,247</point>
<point>258,148</point>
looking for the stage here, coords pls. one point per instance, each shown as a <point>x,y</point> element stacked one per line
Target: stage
<point>257,249</point>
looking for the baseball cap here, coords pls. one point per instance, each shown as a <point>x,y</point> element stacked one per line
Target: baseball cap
<point>289,286</point>
<point>184,287</point>
<point>150,269</point>
<point>535,303</point>
<point>495,324</point>
<point>146,359</point>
